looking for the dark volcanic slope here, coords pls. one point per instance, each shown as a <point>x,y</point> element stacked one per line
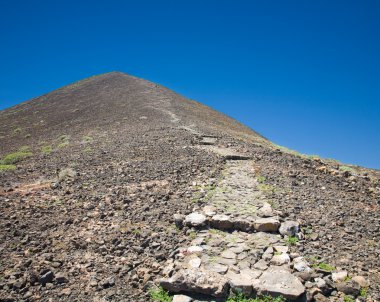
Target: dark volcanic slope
<point>110,101</point>
<point>111,159</point>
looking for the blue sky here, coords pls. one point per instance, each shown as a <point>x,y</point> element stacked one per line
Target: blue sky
<point>305,74</point>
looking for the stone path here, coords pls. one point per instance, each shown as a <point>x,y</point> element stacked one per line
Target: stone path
<point>236,241</point>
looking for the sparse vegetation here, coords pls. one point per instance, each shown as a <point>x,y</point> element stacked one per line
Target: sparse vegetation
<point>64,141</point>
<point>261,179</point>
<point>346,169</point>
<point>348,299</point>
<point>291,240</point>
<point>363,292</point>
<point>239,297</point>
<point>324,266</point>
<point>17,130</point>
<point>47,149</point>
<point>160,295</point>
<point>15,157</point>
<point>192,235</point>
<point>7,167</point>
<point>268,189</point>
<point>87,139</point>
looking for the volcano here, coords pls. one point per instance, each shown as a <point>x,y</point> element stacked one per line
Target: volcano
<point>115,188</point>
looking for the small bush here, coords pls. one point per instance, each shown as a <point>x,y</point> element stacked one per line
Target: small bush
<point>160,295</point>
<point>348,299</point>
<point>15,157</point>
<point>17,130</point>
<point>261,179</point>
<point>291,240</point>
<point>363,292</point>
<point>324,266</point>
<point>7,167</point>
<point>346,169</point>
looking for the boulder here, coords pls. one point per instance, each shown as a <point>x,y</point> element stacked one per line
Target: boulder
<point>280,259</point>
<point>301,265</point>
<point>348,288</point>
<point>279,281</point>
<point>266,225</point>
<point>195,219</point>
<point>221,222</point>
<point>289,228</point>
<point>240,283</point>
<point>209,210</point>
<point>339,276</point>
<point>197,281</point>
<point>361,281</point>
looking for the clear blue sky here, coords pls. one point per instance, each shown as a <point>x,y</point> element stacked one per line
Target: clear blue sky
<point>305,74</point>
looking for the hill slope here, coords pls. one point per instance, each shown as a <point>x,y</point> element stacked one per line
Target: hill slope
<point>93,173</point>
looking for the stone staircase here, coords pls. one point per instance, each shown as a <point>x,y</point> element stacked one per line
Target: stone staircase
<point>238,240</point>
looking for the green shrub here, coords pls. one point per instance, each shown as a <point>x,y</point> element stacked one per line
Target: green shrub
<point>348,299</point>
<point>261,179</point>
<point>324,266</point>
<point>291,240</point>
<point>15,157</point>
<point>160,295</point>
<point>346,169</point>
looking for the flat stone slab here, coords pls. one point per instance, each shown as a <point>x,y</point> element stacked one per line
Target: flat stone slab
<point>197,281</point>
<point>279,281</point>
<point>269,224</point>
<point>195,219</point>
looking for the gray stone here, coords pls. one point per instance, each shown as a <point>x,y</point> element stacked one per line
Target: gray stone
<point>181,298</point>
<point>47,278</point>
<point>289,228</point>
<point>281,248</point>
<point>261,265</point>
<point>61,278</point>
<point>209,210</point>
<point>228,254</point>
<point>252,273</point>
<point>217,268</point>
<point>266,225</point>
<point>197,281</point>
<point>348,288</point>
<point>195,262</point>
<point>240,283</point>
<point>361,281</point>
<point>243,225</point>
<point>339,276</point>
<point>195,219</point>
<point>279,281</point>
<point>178,220</point>
<point>265,211</point>
<point>301,265</point>
<point>221,222</point>
<point>280,259</point>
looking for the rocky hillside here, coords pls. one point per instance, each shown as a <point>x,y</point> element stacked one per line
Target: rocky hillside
<point>118,189</point>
